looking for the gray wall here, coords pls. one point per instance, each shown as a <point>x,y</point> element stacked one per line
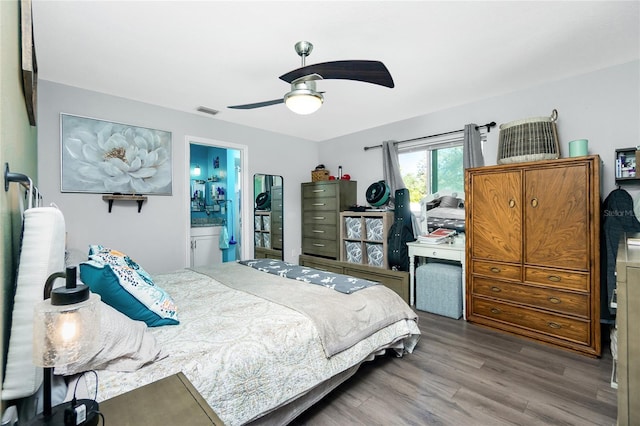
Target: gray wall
<point>603,107</point>
<point>157,237</point>
<point>18,149</point>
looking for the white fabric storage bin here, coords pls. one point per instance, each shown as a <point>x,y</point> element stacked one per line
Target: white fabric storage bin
<point>375,255</point>
<point>353,227</point>
<point>375,228</point>
<point>353,251</point>
<point>439,289</point>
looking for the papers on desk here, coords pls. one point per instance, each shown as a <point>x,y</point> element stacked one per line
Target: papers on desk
<point>438,236</point>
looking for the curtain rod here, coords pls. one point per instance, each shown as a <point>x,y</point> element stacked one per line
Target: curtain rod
<point>488,126</point>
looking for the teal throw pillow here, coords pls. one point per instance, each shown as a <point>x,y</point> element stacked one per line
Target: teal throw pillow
<point>124,289</point>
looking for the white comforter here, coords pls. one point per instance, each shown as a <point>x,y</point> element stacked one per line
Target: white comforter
<point>245,355</point>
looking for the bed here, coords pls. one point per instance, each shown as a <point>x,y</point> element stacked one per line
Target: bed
<point>260,347</point>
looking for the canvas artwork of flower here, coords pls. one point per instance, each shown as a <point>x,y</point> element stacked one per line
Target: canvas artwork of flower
<point>106,157</point>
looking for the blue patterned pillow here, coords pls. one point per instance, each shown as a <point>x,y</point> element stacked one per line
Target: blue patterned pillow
<point>124,289</point>
<point>115,257</point>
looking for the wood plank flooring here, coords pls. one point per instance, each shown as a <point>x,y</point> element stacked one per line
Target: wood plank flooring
<point>464,374</point>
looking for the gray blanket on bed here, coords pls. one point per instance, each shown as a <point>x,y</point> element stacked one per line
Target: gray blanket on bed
<point>342,320</point>
<point>338,282</point>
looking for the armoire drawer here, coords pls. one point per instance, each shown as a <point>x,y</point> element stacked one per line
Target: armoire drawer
<point>318,247</point>
<point>319,190</point>
<point>320,218</point>
<point>554,300</point>
<point>320,204</point>
<point>320,231</point>
<point>500,271</point>
<point>575,330</point>
<point>559,279</point>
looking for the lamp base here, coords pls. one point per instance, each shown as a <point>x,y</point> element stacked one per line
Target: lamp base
<point>58,417</point>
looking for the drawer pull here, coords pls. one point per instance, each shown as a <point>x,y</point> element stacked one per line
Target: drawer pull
<point>554,300</point>
<point>318,204</point>
<point>318,190</point>
<point>496,289</point>
<point>495,311</point>
<point>512,203</point>
<point>554,325</point>
<point>534,202</point>
<point>317,231</point>
<point>318,218</point>
<point>495,270</point>
<point>435,253</point>
<point>318,245</point>
<point>554,278</point>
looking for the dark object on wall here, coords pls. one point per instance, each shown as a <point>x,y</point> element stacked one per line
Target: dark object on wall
<point>29,63</point>
<point>401,232</point>
<point>378,193</point>
<point>263,201</point>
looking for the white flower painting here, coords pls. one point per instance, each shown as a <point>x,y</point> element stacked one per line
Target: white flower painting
<point>104,157</point>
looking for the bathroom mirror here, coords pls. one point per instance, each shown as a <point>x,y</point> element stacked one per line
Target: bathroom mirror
<point>267,216</point>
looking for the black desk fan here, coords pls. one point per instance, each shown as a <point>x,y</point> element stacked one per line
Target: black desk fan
<point>378,193</point>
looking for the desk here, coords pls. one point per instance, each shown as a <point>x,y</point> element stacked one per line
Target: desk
<point>169,401</point>
<point>455,252</point>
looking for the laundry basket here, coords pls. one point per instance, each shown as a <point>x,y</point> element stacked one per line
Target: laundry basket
<point>531,139</point>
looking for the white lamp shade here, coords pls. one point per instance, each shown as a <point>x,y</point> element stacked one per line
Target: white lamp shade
<point>62,333</point>
<point>304,103</point>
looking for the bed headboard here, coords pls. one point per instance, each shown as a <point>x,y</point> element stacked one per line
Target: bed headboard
<point>41,254</point>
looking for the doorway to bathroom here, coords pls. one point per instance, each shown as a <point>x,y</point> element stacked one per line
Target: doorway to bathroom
<point>217,184</point>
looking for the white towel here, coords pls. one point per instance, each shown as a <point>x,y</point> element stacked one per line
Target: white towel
<point>224,238</point>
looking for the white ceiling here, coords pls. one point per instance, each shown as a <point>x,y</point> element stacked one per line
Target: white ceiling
<point>182,55</point>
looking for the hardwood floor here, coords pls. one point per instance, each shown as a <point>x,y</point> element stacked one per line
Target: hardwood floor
<point>464,374</point>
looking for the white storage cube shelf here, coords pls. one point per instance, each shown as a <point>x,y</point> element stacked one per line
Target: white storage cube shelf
<point>364,237</point>
<point>262,228</point>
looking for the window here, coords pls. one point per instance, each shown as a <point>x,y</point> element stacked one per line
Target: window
<point>427,168</point>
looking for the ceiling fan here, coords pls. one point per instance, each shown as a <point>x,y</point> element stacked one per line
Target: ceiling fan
<point>303,97</point>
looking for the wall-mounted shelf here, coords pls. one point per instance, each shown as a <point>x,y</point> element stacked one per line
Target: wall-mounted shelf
<point>121,197</point>
<point>626,164</point>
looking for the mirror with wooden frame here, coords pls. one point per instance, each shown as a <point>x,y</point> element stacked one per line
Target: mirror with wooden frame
<point>267,216</point>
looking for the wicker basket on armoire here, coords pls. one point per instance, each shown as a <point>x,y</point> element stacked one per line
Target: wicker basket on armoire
<point>530,139</point>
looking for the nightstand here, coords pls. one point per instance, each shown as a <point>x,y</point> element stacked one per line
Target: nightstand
<point>169,401</point>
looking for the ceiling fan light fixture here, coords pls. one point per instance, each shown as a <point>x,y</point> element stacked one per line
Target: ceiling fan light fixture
<point>303,101</point>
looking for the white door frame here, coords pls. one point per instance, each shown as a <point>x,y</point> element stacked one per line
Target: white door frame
<point>246,247</point>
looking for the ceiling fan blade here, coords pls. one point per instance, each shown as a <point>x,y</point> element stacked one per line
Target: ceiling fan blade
<point>258,104</point>
<point>374,72</point>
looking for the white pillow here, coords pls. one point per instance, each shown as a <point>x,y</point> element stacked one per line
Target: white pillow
<point>42,254</point>
<point>123,345</point>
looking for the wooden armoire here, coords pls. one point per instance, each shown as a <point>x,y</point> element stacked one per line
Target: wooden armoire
<point>532,235</point>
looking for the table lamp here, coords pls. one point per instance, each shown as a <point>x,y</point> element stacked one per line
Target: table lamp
<point>65,326</point>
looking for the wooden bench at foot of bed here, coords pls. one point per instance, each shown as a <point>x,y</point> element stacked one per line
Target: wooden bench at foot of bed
<point>397,281</point>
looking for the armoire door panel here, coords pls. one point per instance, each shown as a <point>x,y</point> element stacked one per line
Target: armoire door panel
<point>496,209</point>
<point>557,217</point>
